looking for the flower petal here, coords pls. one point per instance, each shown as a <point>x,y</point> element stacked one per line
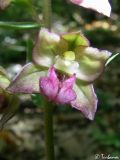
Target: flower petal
<point>49,85</point>
<point>75,39</point>
<point>27,81</point>
<point>66,93</point>
<point>89,64</point>
<point>102,6</point>
<point>86,100</point>
<point>92,63</point>
<point>44,50</point>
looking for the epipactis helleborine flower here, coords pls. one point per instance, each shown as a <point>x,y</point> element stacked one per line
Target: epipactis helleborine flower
<point>73,66</point>
<point>101,6</point>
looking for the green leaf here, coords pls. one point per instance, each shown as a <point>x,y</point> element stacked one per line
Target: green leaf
<point>19,25</point>
<point>111,58</point>
<point>27,81</point>
<point>29,50</point>
<point>86,100</point>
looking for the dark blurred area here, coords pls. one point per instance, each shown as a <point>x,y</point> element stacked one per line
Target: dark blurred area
<point>76,138</point>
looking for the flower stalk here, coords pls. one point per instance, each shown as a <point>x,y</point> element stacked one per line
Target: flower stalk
<point>47,11</point>
<point>49,131</point>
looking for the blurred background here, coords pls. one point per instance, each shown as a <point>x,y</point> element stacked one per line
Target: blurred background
<point>76,138</point>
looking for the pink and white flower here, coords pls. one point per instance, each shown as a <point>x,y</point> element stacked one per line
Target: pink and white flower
<point>64,69</point>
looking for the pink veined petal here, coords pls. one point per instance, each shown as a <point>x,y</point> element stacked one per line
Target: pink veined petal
<point>66,93</point>
<point>49,85</point>
<point>65,96</point>
<point>101,6</point>
<point>68,83</point>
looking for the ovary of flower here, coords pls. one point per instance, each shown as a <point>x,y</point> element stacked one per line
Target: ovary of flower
<point>61,92</point>
<point>101,6</point>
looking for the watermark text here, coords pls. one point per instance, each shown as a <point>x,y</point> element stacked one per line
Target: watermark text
<point>106,157</point>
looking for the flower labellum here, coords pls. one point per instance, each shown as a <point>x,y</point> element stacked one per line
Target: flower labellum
<point>49,85</point>
<point>66,93</point>
<point>101,6</point>
<point>61,92</point>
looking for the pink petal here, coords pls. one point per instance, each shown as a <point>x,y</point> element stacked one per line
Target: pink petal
<point>49,84</point>
<point>66,93</point>
<point>68,83</point>
<point>65,96</point>
<point>101,6</point>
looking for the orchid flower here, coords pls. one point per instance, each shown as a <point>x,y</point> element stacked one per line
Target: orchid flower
<point>64,69</point>
<point>101,6</point>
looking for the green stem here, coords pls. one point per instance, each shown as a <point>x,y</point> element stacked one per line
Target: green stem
<point>33,12</point>
<point>49,131</point>
<point>29,47</point>
<point>47,12</point>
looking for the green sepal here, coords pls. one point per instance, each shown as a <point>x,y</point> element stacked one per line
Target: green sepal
<point>27,81</point>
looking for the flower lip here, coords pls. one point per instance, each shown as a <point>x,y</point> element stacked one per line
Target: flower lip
<point>49,84</point>
<point>59,91</point>
<point>66,93</point>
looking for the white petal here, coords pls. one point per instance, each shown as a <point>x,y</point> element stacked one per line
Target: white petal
<point>101,6</point>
